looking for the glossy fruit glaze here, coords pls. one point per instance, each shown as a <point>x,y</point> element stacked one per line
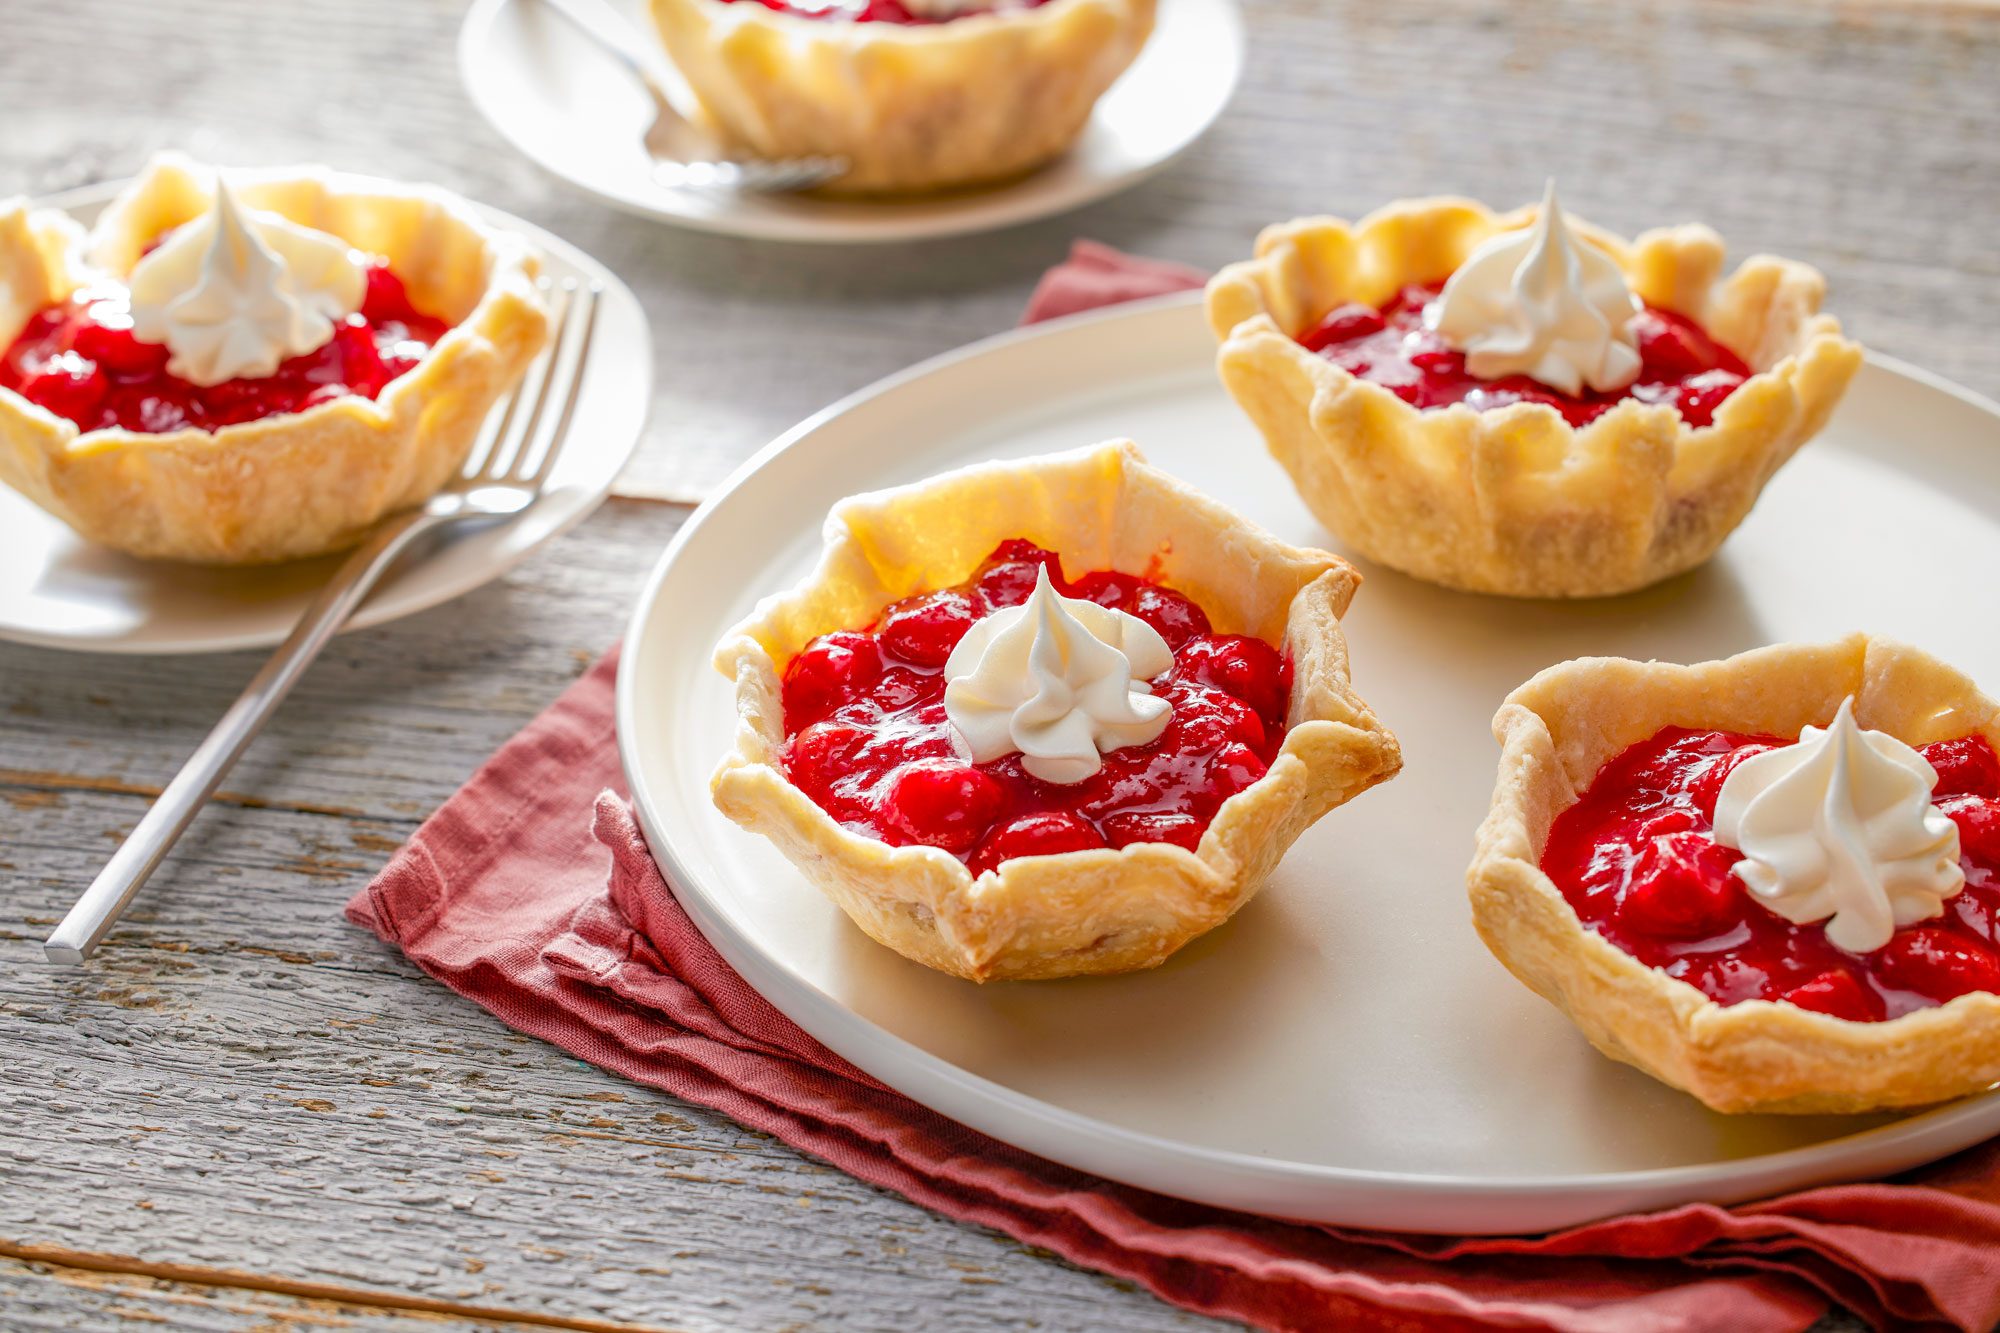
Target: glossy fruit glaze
<point>869,742</point>
<point>881,11</point>
<point>79,359</point>
<point>1637,858</point>
<point>1682,367</point>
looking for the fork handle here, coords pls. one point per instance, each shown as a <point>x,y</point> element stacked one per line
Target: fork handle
<point>162,825</point>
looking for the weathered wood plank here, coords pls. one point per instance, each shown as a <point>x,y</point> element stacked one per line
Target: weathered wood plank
<point>244,1084</point>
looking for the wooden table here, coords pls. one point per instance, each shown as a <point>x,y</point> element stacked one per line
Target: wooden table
<point>246,1113</point>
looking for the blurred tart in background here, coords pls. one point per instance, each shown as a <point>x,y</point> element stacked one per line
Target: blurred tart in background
<point>255,367</point>
<point>914,95</point>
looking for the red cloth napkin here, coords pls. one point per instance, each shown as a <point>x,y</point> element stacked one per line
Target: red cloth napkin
<point>531,892</point>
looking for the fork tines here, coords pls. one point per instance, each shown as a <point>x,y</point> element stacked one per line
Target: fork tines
<point>525,455</point>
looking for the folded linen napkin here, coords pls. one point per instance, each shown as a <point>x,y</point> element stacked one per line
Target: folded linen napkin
<point>531,892</point>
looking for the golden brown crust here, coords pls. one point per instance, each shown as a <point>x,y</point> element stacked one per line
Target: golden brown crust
<point>1515,500</point>
<point>298,484</point>
<point>1081,912</point>
<point>911,108</point>
<point>1557,730</point>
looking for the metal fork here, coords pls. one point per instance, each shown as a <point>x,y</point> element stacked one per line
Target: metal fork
<point>684,156</point>
<point>505,473</point>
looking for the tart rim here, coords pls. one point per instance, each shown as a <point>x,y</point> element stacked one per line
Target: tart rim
<point>1557,731</point>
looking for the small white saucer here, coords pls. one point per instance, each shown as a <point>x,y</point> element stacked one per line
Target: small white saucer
<point>578,114</point>
<point>60,591</point>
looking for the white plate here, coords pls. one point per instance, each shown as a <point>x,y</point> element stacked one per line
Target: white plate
<point>578,114</point>
<point>60,591</point>
<point>1345,1050</point>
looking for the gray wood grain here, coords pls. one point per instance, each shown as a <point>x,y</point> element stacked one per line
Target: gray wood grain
<point>245,1086</point>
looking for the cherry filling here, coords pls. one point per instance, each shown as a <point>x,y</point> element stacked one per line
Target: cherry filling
<point>1681,366</point>
<point>868,741</point>
<point>1637,858</point>
<point>880,11</point>
<point>79,359</point>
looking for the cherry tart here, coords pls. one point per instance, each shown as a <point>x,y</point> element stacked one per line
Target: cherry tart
<point>1504,485</point>
<point>846,760</point>
<point>97,430</point>
<point>913,95</point>
<point>1601,882</point>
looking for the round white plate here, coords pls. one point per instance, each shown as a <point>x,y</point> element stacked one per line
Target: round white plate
<point>576,111</point>
<point>60,591</point>
<point>1345,1050</point>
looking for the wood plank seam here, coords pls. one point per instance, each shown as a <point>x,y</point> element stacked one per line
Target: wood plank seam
<point>129,1265</point>
<point>24,780</point>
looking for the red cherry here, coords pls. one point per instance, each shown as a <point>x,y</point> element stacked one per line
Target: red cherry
<point>69,385</point>
<point>385,298</point>
<point>923,630</point>
<point>1413,299</point>
<point>235,401</point>
<point>1680,888</point>
<point>1978,820</point>
<point>360,360</point>
<point>1008,576</point>
<point>1977,906</point>
<point>1938,963</point>
<point>1430,353</point>
<point>821,753</point>
<point>1964,765</point>
<point>1345,323</point>
<point>1410,390</point>
<point>1699,397</point>
<point>1727,978</point>
<point>1107,588</point>
<point>1248,668</point>
<point>1182,830</point>
<point>1674,819</point>
<point>1708,780</point>
<point>1671,347</point>
<point>1205,719</point>
<point>1042,833</point>
<point>106,337</point>
<point>832,670</point>
<point>1236,767</point>
<point>136,407</point>
<point>1176,618</point>
<point>1837,992</point>
<point>904,687</point>
<point>943,803</point>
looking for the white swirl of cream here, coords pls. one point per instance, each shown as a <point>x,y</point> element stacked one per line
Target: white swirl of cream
<point>1058,681</point>
<point>1841,826</point>
<point>235,292</point>
<point>1539,303</point>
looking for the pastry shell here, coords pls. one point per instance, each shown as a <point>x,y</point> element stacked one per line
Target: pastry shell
<point>1560,728</point>
<point>295,484</point>
<point>1097,911</point>
<point>1515,500</point>
<point>910,107</point>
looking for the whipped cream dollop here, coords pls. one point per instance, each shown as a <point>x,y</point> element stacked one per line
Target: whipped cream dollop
<point>1840,828</point>
<point>1057,680</point>
<point>1542,304</point>
<point>235,292</point>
